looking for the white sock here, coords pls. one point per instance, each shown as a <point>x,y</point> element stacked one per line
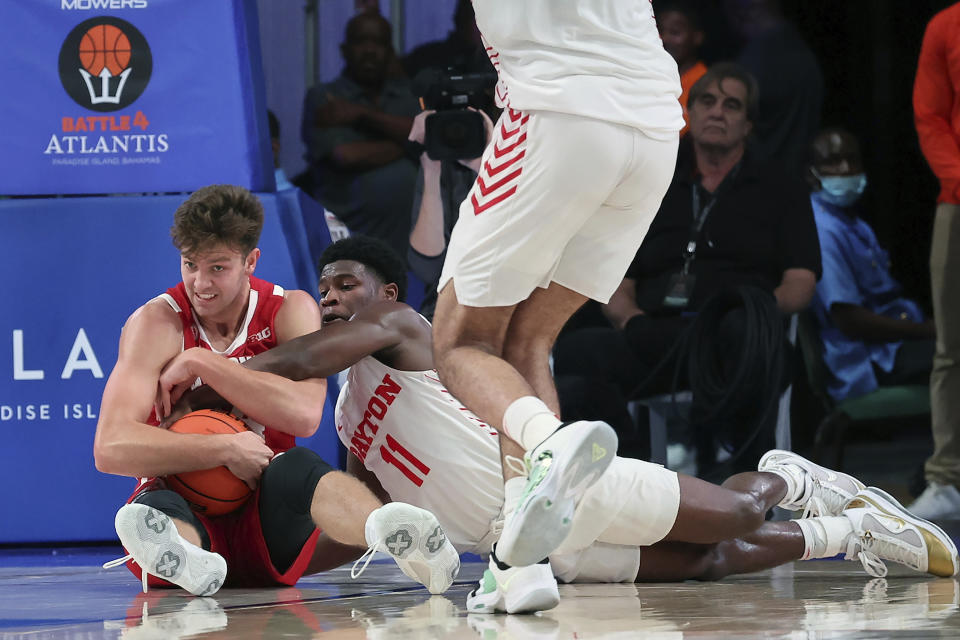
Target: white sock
<point>794,477</point>
<point>528,421</point>
<point>512,490</point>
<point>824,537</point>
<point>369,529</point>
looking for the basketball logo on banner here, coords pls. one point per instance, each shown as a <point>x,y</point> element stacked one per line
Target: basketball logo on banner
<point>105,63</point>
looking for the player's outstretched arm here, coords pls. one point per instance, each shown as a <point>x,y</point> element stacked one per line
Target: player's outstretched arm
<point>391,331</point>
<point>124,443</point>
<point>294,407</point>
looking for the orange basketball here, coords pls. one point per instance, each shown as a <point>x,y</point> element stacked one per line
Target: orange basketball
<point>215,491</point>
<point>104,45</point>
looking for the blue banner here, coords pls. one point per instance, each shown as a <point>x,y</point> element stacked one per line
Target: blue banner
<point>131,96</point>
<point>74,270</point>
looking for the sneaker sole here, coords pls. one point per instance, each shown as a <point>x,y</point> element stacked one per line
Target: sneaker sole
<point>431,547</point>
<point>891,507</point>
<point>542,524</point>
<point>530,602</point>
<point>152,538</point>
<point>533,601</point>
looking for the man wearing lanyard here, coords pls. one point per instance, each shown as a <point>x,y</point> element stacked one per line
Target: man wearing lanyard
<point>728,219</point>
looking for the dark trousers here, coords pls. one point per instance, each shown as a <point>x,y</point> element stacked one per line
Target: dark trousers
<point>599,369</point>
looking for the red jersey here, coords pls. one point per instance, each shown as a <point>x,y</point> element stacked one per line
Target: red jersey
<point>238,536</point>
<point>256,335</point>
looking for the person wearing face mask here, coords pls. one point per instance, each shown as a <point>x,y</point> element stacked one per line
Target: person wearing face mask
<point>872,335</point>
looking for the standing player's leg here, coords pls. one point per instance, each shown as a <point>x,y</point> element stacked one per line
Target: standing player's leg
<point>503,254</point>
<point>468,354</point>
<point>533,330</point>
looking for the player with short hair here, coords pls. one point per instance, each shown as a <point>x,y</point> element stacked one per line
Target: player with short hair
<point>580,161</point>
<point>302,511</point>
<point>410,439</point>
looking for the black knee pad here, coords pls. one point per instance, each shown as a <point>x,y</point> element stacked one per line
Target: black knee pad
<point>292,477</point>
<point>172,504</point>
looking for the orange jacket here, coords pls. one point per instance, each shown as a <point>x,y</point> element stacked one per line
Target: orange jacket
<point>936,100</point>
<point>687,80</point>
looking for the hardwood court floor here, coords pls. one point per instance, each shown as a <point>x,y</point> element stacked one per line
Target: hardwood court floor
<point>46,596</point>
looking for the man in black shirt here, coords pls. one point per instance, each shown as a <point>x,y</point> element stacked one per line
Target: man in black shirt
<point>729,219</point>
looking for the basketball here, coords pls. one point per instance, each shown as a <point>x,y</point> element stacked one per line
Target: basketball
<point>104,46</point>
<point>215,491</point>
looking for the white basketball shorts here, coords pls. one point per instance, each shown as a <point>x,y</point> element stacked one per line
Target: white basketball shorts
<point>559,198</point>
<point>634,503</point>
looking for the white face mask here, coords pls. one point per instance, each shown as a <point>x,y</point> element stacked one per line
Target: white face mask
<point>842,191</point>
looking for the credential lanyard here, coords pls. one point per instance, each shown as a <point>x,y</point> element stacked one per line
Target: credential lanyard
<point>699,218</point>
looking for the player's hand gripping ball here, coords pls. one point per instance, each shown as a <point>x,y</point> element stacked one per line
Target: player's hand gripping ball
<point>215,491</point>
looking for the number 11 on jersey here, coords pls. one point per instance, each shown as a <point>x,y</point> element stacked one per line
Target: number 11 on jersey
<point>387,453</point>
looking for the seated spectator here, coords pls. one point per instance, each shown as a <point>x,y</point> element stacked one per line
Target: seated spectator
<point>462,49</point>
<point>441,187</point>
<point>682,35</point>
<point>730,221</point>
<point>871,334</point>
<point>354,129</point>
<point>791,83</point>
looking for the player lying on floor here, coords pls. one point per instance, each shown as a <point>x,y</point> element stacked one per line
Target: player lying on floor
<point>303,516</point>
<point>410,440</point>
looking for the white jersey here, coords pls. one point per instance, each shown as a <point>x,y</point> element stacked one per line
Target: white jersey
<point>424,447</point>
<point>601,59</point>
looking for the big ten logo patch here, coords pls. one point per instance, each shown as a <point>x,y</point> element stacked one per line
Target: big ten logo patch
<point>260,336</point>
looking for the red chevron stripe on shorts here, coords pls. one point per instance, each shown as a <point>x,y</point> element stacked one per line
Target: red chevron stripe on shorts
<point>491,187</point>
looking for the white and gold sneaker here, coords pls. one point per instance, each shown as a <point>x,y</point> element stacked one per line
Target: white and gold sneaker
<point>817,490</point>
<point>884,530</point>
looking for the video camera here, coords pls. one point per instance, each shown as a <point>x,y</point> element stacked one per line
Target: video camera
<point>454,132</point>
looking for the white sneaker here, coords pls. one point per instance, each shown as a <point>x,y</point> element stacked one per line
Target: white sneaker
<point>884,530</point>
<point>153,542</point>
<point>415,539</point>
<point>561,468</point>
<point>817,490</point>
<point>504,589</point>
<point>937,502</point>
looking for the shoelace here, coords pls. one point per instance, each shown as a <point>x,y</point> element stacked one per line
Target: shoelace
<point>872,563</point>
<point>869,557</point>
<point>365,558</point>
<point>829,500</point>
<point>517,465</point>
<point>123,560</point>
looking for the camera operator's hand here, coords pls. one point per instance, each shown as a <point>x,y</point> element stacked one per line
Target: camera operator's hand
<point>418,133</point>
<point>474,163</point>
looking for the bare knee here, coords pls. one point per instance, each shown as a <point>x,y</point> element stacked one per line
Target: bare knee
<point>523,350</point>
<point>482,329</point>
<point>711,564</point>
<point>749,512</point>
